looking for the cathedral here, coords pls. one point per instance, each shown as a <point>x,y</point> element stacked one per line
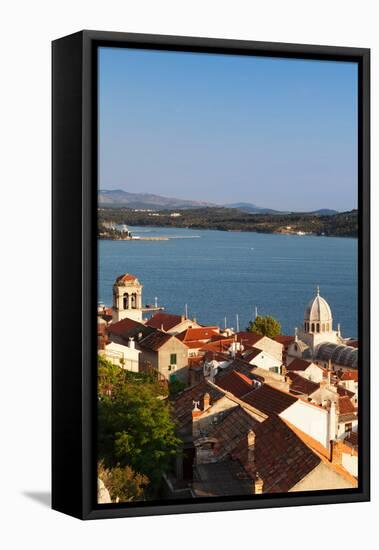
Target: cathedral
<point>319,342</point>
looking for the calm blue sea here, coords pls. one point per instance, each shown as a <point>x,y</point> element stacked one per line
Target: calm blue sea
<point>221,274</point>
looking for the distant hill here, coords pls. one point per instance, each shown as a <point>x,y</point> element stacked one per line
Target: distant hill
<point>253,208</point>
<point>117,198</point>
<point>324,212</point>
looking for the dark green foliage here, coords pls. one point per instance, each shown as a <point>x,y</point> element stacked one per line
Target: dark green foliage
<point>135,427</point>
<point>123,483</point>
<point>265,325</point>
<point>231,219</point>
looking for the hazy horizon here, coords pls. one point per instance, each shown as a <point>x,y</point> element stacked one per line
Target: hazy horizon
<point>278,133</point>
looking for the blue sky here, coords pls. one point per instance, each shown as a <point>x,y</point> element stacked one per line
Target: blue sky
<point>279,133</point>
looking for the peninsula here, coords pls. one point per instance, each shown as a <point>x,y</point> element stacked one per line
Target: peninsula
<point>342,224</point>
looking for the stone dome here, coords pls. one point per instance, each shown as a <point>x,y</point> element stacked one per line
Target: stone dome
<point>318,310</point>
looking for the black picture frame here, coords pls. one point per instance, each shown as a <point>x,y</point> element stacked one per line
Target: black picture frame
<point>74,271</point>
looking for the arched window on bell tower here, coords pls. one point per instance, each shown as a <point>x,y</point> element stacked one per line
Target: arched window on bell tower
<point>133,304</point>
<point>312,327</point>
<point>125,301</point>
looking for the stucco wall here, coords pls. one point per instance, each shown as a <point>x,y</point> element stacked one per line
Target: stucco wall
<point>309,419</point>
<point>322,477</point>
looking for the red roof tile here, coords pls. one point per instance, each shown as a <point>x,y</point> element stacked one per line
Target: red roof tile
<point>344,392</point>
<point>352,439</point>
<point>298,365</point>
<point>249,338</point>
<point>235,384</point>
<point>167,321</point>
<point>285,340</point>
<point>183,404</point>
<point>281,458</point>
<point>299,384</point>
<point>155,340</point>
<point>123,327</point>
<point>218,345</point>
<point>126,278</point>
<point>269,400</point>
<point>345,405</point>
<point>349,375</point>
<point>198,334</point>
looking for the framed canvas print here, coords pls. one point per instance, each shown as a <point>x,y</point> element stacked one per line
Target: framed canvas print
<point>210,275</point>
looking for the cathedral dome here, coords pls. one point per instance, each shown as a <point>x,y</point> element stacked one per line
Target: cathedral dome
<point>318,310</point>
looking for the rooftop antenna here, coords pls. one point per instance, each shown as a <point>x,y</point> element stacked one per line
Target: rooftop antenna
<point>156,301</point>
<point>225,322</point>
<point>256,312</point>
<point>237,323</point>
<point>186,311</point>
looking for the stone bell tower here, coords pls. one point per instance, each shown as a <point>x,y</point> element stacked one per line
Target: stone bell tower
<point>127,298</point>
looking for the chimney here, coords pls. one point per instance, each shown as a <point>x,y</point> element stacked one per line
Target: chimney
<point>182,318</point>
<point>131,343</point>
<point>207,401</point>
<point>196,412</point>
<point>332,421</point>
<point>251,449</point>
<point>336,452</point>
<point>258,484</point>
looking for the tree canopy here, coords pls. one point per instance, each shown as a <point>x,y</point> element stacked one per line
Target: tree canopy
<point>135,427</point>
<point>265,325</point>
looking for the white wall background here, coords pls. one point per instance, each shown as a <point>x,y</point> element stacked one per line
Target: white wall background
<point>26,31</point>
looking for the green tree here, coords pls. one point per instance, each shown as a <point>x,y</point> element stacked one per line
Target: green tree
<point>123,483</point>
<point>265,325</point>
<point>135,427</point>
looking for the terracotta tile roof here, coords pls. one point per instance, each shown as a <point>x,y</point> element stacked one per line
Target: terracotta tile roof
<point>123,327</point>
<point>126,278</point>
<point>322,452</point>
<point>183,404</point>
<point>269,400</point>
<point>352,439</point>
<point>285,340</point>
<point>299,384</point>
<point>248,338</point>
<point>165,320</point>
<point>342,392</point>
<point>241,366</point>
<point>229,433</point>
<point>349,375</point>
<point>281,458</point>
<point>298,365</point>
<point>155,340</point>
<point>198,334</point>
<point>235,383</point>
<point>345,405</point>
<point>218,345</point>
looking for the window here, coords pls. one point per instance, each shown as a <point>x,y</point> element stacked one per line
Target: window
<point>348,427</point>
<point>173,359</point>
